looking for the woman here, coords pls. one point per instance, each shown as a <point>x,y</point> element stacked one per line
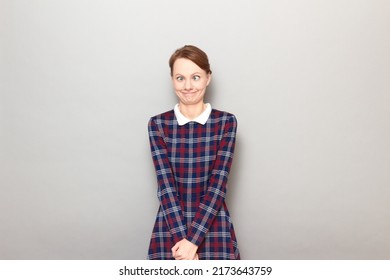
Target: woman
<point>192,149</point>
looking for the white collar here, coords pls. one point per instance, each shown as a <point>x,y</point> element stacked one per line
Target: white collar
<point>202,118</point>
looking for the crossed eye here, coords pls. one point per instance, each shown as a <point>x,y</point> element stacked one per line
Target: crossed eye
<point>195,78</point>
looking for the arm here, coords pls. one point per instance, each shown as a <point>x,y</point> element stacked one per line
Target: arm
<point>216,192</point>
<point>166,184</point>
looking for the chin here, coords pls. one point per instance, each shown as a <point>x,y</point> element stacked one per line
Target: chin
<point>190,102</point>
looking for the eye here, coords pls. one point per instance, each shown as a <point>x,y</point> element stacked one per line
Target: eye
<point>196,77</point>
<point>179,78</point>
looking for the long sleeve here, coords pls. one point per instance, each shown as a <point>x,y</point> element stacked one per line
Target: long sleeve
<point>216,191</point>
<point>167,194</point>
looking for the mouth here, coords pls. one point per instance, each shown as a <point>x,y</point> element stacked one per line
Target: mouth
<point>188,92</point>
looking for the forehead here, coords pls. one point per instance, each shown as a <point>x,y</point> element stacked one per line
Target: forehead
<point>185,66</point>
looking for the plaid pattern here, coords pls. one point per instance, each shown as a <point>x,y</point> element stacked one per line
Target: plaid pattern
<point>192,164</point>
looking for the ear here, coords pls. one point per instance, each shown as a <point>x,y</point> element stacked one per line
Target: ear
<point>208,78</point>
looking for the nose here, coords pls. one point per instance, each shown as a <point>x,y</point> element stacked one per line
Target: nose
<point>187,84</point>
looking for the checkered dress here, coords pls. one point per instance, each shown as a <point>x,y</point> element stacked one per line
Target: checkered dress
<point>192,163</point>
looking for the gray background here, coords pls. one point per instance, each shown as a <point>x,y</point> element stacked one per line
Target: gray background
<point>307,80</point>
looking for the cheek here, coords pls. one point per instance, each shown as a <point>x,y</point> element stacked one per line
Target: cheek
<point>202,85</point>
<point>176,85</point>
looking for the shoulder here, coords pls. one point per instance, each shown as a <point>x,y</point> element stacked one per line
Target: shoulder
<point>164,118</point>
<point>223,116</point>
<point>168,115</point>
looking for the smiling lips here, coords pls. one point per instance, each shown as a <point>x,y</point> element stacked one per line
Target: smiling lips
<point>188,92</point>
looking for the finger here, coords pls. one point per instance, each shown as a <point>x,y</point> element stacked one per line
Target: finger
<point>175,247</point>
<point>178,254</point>
<point>174,250</point>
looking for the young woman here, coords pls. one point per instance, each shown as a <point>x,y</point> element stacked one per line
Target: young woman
<point>192,149</point>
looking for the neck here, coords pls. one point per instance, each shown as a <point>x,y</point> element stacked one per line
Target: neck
<point>192,111</point>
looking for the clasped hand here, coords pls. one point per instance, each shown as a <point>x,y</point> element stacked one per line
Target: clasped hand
<point>185,250</point>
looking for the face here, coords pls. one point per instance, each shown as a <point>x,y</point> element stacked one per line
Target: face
<point>190,81</point>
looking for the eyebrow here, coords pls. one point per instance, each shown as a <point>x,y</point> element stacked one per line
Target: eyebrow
<point>178,74</point>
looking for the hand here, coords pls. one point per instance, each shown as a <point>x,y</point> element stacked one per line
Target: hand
<point>185,250</point>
